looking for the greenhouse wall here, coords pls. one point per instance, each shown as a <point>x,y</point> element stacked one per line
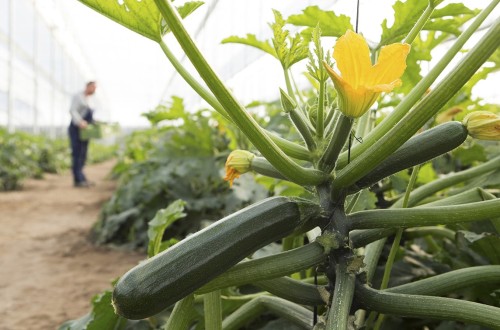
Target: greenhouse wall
<point>38,67</point>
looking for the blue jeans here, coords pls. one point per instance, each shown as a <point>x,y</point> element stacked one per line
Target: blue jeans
<point>78,150</point>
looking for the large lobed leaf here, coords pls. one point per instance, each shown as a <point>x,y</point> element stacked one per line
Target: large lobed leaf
<point>331,25</point>
<point>447,19</point>
<point>142,17</point>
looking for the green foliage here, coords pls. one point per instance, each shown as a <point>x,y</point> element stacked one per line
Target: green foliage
<point>24,155</point>
<point>315,66</point>
<point>447,19</point>
<point>287,49</point>
<point>142,17</point>
<point>331,25</point>
<point>184,161</point>
<point>162,220</point>
<point>251,40</point>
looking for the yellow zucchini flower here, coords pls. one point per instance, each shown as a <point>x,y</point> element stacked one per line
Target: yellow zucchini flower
<point>360,83</point>
<point>238,162</point>
<point>483,125</point>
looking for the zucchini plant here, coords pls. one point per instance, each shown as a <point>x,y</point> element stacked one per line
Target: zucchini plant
<point>344,155</point>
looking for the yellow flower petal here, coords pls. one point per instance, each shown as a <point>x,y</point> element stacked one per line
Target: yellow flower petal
<point>390,66</point>
<point>359,83</point>
<point>352,56</point>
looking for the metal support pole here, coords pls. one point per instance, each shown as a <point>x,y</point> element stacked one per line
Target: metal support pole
<point>36,109</point>
<point>10,69</point>
<point>52,83</point>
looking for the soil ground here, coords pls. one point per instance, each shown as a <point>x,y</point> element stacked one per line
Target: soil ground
<point>49,270</point>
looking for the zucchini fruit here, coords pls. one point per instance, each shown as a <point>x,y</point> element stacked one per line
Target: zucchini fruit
<point>162,280</point>
<point>417,150</point>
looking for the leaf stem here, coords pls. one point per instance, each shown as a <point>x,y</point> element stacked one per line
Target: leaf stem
<point>425,216</point>
<point>431,188</point>
<point>415,30</point>
<point>181,315</point>
<point>429,307</point>
<point>281,307</point>
<point>339,137</point>
<point>320,124</point>
<point>281,264</point>
<point>212,308</point>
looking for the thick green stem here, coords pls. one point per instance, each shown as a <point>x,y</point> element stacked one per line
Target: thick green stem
<point>320,124</point>
<point>340,135</point>
<point>192,82</point>
<point>290,148</point>
<point>281,307</point>
<point>293,290</point>
<point>395,243</point>
<point>428,307</point>
<point>419,90</point>
<point>425,216</point>
<point>288,83</point>
<point>452,179</point>
<point>238,114</point>
<point>451,282</point>
<point>277,265</point>
<point>343,294</point>
<point>301,123</point>
<point>422,112</point>
<point>415,30</point>
<point>212,308</point>
<point>433,231</point>
<point>262,166</point>
<point>182,314</point>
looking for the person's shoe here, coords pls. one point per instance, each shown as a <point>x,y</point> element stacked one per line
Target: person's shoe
<point>82,184</point>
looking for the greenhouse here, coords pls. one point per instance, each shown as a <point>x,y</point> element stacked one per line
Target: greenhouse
<point>254,165</point>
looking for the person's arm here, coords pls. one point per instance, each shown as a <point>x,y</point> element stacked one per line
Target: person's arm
<point>76,118</point>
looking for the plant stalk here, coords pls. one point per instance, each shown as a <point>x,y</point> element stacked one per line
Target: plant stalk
<point>212,308</point>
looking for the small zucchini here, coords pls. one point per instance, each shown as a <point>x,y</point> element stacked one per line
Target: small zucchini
<point>171,275</point>
<point>417,150</point>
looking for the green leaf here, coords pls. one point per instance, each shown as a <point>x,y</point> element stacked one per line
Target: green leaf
<point>162,220</point>
<point>331,25</point>
<point>486,244</point>
<point>251,40</point>
<point>289,50</point>
<point>447,19</point>
<point>102,316</point>
<point>173,110</point>
<point>142,17</point>
<point>315,66</point>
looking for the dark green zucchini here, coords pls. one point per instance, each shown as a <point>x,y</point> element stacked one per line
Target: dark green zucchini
<point>169,276</point>
<point>417,150</point>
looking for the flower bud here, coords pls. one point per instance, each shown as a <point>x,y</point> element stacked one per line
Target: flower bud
<point>483,125</point>
<point>238,162</point>
<point>286,102</point>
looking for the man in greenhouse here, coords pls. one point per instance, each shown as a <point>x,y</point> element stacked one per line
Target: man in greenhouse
<point>81,116</point>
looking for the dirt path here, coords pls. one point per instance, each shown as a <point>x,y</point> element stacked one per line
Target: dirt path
<point>48,269</point>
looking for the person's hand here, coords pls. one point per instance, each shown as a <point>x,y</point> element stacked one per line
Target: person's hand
<point>83,124</point>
